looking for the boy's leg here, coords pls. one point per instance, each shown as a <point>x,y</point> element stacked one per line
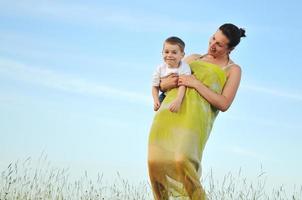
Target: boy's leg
<point>162,97</point>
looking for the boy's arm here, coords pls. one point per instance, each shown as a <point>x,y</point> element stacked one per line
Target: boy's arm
<point>185,70</point>
<point>155,91</point>
<point>156,104</point>
<point>181,93</point>
<point>175,105</point>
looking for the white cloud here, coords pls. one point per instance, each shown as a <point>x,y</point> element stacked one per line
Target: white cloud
<point>246,153</point>
<point>101,16</point>
<point>272,123</point>
<point>65,82</point>
<point>272,91</point>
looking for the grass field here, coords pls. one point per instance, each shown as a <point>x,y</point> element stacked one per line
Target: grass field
<point>38,180</point>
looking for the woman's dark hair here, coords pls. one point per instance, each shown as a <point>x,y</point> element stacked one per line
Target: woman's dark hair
<point>233,33</point>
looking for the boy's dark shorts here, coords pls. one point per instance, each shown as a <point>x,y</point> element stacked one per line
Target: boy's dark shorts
<point>161,97</point>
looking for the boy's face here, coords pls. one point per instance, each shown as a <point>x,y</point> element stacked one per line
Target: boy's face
<point>172,54</point>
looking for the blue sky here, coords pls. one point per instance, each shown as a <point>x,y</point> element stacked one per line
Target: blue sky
<point>75,81</point>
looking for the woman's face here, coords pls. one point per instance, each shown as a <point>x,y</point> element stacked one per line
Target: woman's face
<point>218,45</point>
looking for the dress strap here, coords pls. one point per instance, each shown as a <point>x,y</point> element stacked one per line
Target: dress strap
<point>202,56</point>
<point>228,65</point>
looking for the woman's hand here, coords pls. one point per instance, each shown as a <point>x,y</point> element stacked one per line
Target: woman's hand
<point>169,82</point>
<point>187,80</point>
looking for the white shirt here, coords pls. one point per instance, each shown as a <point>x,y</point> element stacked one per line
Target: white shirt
<point>164,70</point>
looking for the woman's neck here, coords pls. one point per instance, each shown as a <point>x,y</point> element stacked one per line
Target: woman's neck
<point>220,60</point>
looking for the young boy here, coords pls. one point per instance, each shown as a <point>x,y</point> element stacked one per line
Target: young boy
<point>173,52</point>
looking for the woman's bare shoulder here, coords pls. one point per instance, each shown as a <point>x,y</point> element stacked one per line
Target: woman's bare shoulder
<point>235,67</point>
<point>190,58</point>
<point>234,70</point>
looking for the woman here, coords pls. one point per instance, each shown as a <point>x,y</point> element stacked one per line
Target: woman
<point>177,140</point>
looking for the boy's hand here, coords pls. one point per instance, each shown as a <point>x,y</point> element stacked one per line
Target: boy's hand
<point>156,105</point>
<point>175,105</point>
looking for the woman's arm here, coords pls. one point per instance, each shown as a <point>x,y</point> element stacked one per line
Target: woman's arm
<point>220,101</point>
<point>168,82</point>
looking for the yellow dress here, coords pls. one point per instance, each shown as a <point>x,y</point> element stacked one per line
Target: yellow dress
<point>177,140</point>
